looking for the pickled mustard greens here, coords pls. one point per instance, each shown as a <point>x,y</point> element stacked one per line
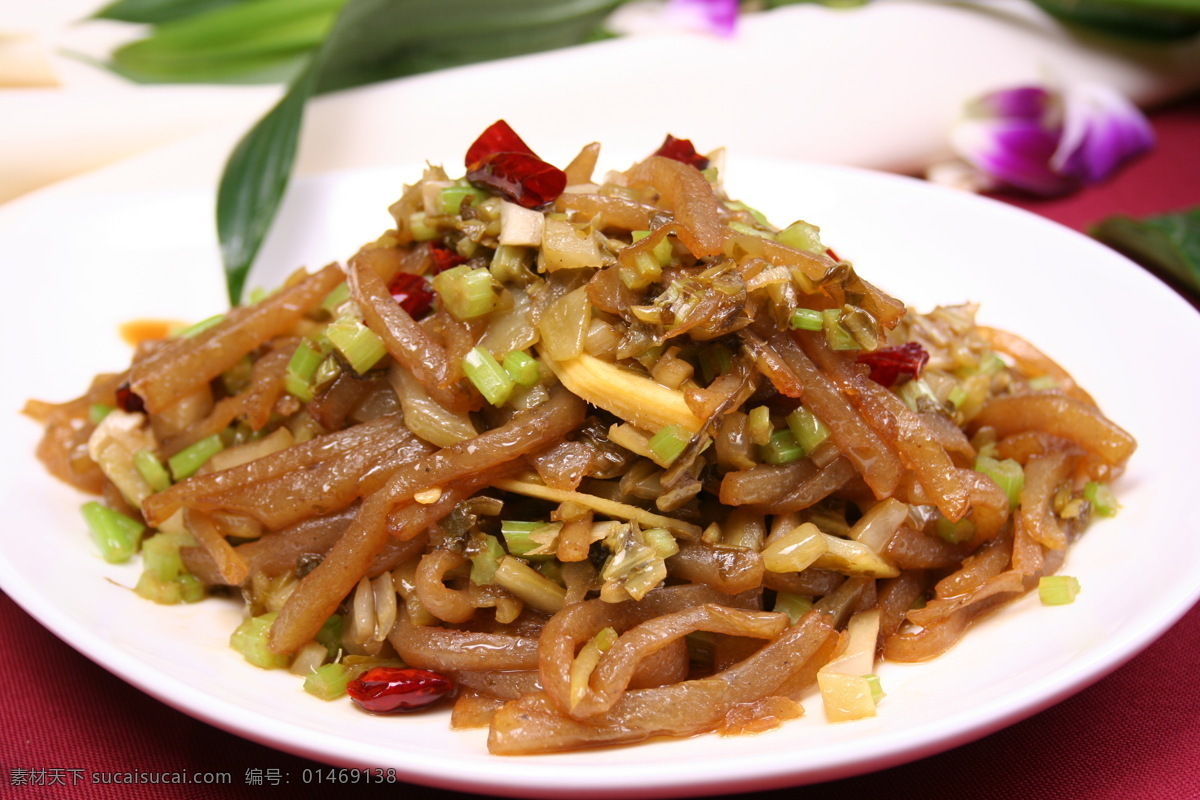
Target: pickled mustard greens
<point>612,455</point>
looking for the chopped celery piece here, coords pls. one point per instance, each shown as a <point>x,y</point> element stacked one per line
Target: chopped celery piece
<point>160,557</point>
<point>917,395</point>
<point>330,634</point>
<point>662,540</point>
<point>250,639</point>
<point>802,236</point>
<point>1100,496</point>
<point>510,263</point>
<point>450,199</point>
<point>1043,383</point>
<point>467,292</point>
<point>991,364</point>
<point>522,368</point>
<point>185,463</point>
<point>835,334</point>
<point>485,374</point>
<point>419,227</point>
<point>357,343</point>
<point>663,251</point>
<point>954,532</point>
<point>1007,474</point>
<point>1058,590</point>
<point>328,681</point>
<point>958,396</point>
<point>535,589</point>
<point>97,412</point>
<point>758,425</point>
<point>794,605</point>
<point>518,537</point>
<point>782,448</point>
<point>807,429</point>
<point>201,326</point>
<point>115,534</point>
<point>151,470</point>
<point>669,443</point>
<point>807,319</point>
<point>333,301</point>
<point>191,590</point>
<point>644,271</point>
<point>485,561</point>
<point>876,687</point>
<point>300,370</point>
<point>749,230</point>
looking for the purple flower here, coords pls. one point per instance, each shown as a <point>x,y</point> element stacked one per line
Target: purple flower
<point>1047,142</point>
<point>713,16</point>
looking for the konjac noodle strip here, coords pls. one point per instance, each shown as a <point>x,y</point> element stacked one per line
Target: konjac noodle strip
<point>615,456</point>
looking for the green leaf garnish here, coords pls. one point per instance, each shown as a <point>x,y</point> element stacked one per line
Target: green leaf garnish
<point>1168,244</point>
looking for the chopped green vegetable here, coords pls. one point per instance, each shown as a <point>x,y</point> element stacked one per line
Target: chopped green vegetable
<point>485,374</point>
<point>807,319</point>
<point>328,681</point>
<point>522,368</point>
<point>185,463</point>
<point>467,292</point>
<point>115,534</point>
<point>664,251</point>
<point>485,560</point>
<point>1007,474</point>
<point>301,369</point>
<point>357,343</point>
<point>333,301</point>
<point>250,639</point>
<point>794,605</point>
<point>152,470</point>
<point>669,443</point>
<point>875,686</point>
<point>662,540</point>
<point>1101,497</point>
<point>782,448</point>
<point>802,236</point>
<point>535,589</point>
<point>518,537</point>
<point>954,532</point>
<point>201,326</point>
<point>97,412</point>
<point>1058,590</point>
<point>450,199</point>
<point>808,431</point>
<point>835,334</point>
<point>330,634</point>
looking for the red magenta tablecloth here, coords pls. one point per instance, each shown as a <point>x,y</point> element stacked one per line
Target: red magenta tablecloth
<point>1134,735</point>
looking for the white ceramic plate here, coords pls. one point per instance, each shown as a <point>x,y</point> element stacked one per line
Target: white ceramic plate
<point>131,243</point>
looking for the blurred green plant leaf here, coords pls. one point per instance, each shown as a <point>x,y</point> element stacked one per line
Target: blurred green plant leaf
<point>1168,244</point>
<point>374,40</point>
<point>152,12</point>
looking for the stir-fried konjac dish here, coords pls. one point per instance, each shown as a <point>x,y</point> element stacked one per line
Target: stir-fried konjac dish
<point>594,459</point>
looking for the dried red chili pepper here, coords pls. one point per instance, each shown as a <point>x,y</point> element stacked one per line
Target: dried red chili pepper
<point>889,363</point>
<point>498,138</point>
<point>128,400</point>
<point>681,150</point>
<point>499,160</point>
<point>444,257</point>
<point>386,690</point>
<point>522,178</point>
<point>412,292</point>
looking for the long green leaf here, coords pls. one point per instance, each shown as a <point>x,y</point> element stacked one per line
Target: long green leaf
<point>254,180</point>
<point>374,40</point>
<point>153,12</point>
<point>1168,244</point>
